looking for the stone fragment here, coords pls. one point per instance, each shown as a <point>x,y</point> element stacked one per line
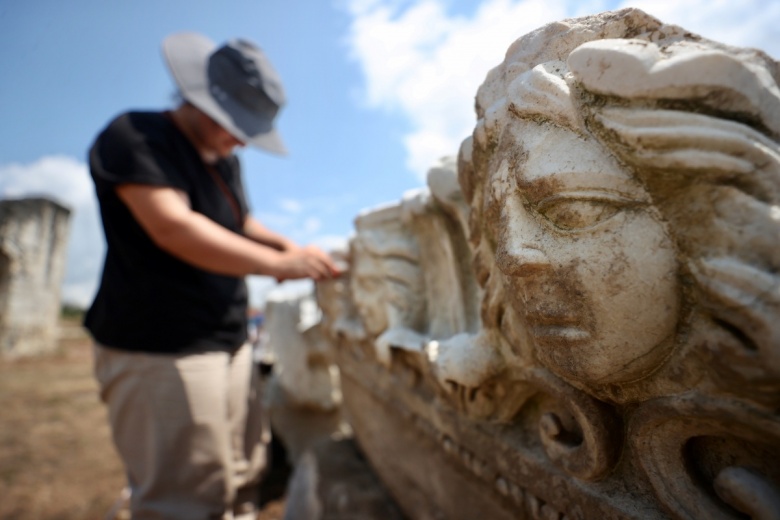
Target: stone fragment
<point>303,394</point>
<point>33,242</point>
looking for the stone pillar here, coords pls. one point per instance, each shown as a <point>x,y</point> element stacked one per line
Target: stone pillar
<point>33,243</point>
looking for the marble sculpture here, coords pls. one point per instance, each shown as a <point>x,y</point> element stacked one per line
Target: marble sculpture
<point>580,317</point>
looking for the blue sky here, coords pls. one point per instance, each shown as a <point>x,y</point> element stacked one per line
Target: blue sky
<point>378,90</point>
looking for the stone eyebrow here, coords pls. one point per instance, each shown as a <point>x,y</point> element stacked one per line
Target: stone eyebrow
<point>590,183</point>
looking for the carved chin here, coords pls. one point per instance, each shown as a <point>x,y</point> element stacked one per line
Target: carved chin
<point>375,324</point>
<point>577,358</point>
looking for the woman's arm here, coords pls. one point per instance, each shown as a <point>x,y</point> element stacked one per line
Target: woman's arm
<point>164,213</point>
<point>257,232</point>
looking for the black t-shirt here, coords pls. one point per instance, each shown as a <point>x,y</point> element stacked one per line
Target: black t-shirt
<point>149,300</point>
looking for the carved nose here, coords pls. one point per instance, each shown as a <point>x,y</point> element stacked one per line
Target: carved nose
<point>518,253</point>
<point>521,260</point>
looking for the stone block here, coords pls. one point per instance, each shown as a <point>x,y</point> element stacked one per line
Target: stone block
<point>33,243</point>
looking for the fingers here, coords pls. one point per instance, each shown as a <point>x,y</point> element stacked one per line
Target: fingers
<point>319,268</point>
<point>308,262</point>
<point>325,266</point>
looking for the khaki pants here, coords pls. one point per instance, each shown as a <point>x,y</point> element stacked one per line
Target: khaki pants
<point>189,430</point>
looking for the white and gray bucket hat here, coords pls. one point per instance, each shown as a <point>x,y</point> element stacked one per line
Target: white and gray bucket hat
<point>234,84</point>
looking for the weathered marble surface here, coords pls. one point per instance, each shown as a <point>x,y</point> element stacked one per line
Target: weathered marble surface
<point>33,242</point>
<point>304,364</point>
<point>303,394</point>
<point>590,326</point>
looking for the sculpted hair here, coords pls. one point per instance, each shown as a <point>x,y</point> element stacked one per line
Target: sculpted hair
<point>698,123</point>
<point>713,171</point>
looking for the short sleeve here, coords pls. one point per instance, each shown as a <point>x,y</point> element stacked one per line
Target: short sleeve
<point>136,148</point>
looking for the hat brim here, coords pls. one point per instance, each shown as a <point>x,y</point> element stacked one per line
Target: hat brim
<point>187,55</point>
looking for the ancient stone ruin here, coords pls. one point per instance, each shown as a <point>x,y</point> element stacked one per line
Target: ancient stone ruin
<point>33,240</point>
<point>303,394</point>
<point>580,319</point>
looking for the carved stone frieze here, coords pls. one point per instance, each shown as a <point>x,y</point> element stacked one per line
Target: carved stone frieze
<point>588,326</point>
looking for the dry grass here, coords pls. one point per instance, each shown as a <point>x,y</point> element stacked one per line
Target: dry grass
<point>56,457</point>
<point>57,461</point>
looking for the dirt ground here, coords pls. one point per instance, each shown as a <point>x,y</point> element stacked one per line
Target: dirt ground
<point>56,457</point>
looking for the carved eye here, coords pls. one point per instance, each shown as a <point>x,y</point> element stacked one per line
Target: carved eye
<point>573,214</point>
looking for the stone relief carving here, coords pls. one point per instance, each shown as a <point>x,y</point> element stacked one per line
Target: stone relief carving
<point>303,360</point>
<point>405,257</point>
<point>615,350</point>
<point>303,395</point>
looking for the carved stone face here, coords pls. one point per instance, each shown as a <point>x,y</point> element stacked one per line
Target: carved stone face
<point>588,265</point>
<point>369,294</point>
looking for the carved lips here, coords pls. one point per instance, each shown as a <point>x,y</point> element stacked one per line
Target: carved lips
<point>552,323</point>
